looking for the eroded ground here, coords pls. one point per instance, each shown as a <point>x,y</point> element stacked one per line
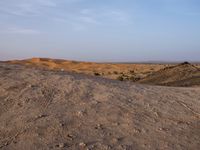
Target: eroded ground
<point>42,109</point>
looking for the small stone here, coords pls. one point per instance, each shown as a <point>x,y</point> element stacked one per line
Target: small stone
<point>6,99</point>
<point>99,126</point>
<point>137,130</point>
<point>115,140</point>
<point>6,144</point>
<point>163,129</point>
<point>82,144</point>
<point>116,124</point>
<point>29,86</point>
<point>80,113</point>
<point>40,116</point>
<point>37,134</point>
<point>61,145</point>
<point>156,114</point>
<point>95,102</point>
<point>70,137</point>
<point>61,124</point>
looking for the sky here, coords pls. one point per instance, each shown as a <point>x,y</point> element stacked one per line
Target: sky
<point>101,30</point>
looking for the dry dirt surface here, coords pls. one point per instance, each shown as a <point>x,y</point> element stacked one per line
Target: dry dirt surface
<point>41,110</point>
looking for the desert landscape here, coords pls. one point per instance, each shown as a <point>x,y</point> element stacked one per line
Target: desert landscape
<point>107,70</point>
<point>99,75</point>
<point>174,74</point>
<point>58,104</point>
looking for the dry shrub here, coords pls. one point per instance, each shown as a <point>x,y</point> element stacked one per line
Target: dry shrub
<point>97,74</point>
<point>120,78</point>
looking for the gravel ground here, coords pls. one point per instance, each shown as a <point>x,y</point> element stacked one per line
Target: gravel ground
<point>41,109</point>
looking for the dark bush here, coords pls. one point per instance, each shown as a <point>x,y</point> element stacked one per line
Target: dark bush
<point>97,74</point>
<point>115,72</point>
<point>120,78</point>
<point>132,71</point>
<point>185,63</point>
<point>134,79</point>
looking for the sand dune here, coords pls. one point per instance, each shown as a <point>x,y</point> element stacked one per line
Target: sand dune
<point>107,70</point>
<point>42,109</point>
<point>154,74</point>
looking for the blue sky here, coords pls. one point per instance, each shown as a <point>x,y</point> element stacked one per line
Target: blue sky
<point>100,30</point>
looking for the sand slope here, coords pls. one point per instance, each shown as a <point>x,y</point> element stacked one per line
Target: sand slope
<point>184,74</point>
<point>107,70</point>
<point>60,110</point>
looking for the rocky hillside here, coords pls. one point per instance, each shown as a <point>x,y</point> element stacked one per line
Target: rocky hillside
<point>184,74</point>
<point>41,109</point>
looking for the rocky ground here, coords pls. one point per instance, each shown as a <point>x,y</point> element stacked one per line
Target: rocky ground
<point>41,109</point>
<point>185,75</point>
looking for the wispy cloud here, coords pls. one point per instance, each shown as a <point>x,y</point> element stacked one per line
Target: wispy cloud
<point>118,15</point>
<point>48,3</point>
<point>15,30</point>
<point>55,11</point>
<point>26,8</point>
<point>105,15</point>
<point>87,18</point>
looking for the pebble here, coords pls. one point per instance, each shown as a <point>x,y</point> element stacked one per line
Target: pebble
<point>70,136</point>
<point>95,102</point>
<point>61,124</point>
<point>99,126</point>
<point>62,145</point>
<point>80,113</point>
<point>163,129</point>
<point>31,86</point>
<point>82,144</point>
<point>6,99</point>
<point>115,140</point>
<point>116,124</point>
<point>137,130</point>
<point>40,116</point>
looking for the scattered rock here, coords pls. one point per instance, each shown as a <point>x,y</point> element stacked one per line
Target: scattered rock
<point>137,130</point>
<point>99,126</point>
<point>80,113</point>
<point>61,124</point>
<point>117,121</point>
<point>30,86</point>
<point>62,145</point>
<point>163,129</point>
<point>115,140</point>
<point>95,102</point>
<point>82,144</point>
<point>70,136</point>
<point>40,116</point>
